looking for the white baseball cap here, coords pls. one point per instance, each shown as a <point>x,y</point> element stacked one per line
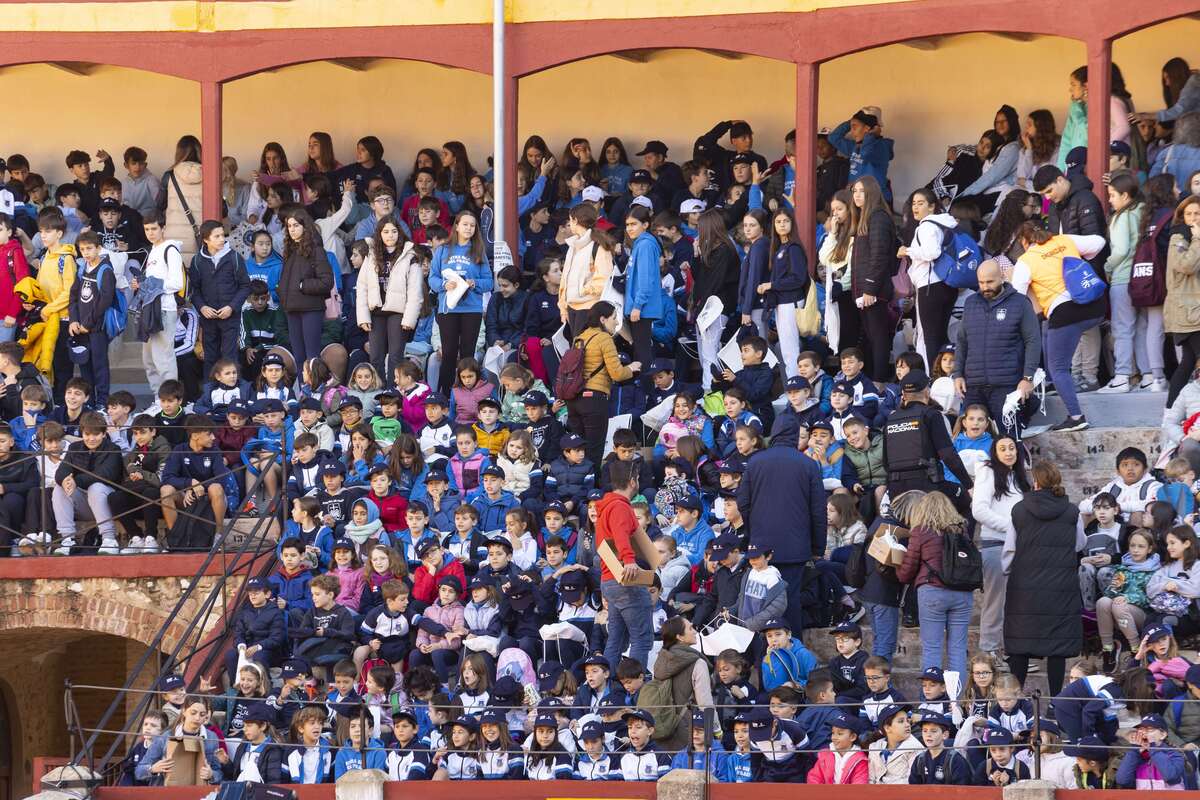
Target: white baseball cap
<point>592,194</point>
<point>692,206</point>
<point>642,201</point>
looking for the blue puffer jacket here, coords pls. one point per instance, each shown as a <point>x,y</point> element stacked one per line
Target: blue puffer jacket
<point>571,481</point>
<point>870,157</point>
<point>266,627</point>
<point>991,344</point>
<point>219,280</point>
<point>506,318</point>
<point>643,287</point>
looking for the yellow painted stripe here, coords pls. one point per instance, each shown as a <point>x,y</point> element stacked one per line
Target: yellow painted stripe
<point>214,15</point>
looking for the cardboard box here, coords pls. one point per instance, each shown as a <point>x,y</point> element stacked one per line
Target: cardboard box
<point>886,550</point>
<point>645,551</point>
<point>188,754</point>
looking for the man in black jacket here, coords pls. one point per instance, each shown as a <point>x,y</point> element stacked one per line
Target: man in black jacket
<point>999,347</point>
<point>667,176</point>
<point>1075,210</point>
<point>88,474</point>
<point>917,444</point>
<point>741,136</point>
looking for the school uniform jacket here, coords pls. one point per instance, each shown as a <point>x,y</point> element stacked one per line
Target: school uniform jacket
<point>648,764</point>
<point>409,763</point>
<point>267,755</point>
<point>294,769</point>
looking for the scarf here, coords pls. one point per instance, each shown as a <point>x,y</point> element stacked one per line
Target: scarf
<point>360,533</point>
<point>1151,563</point>
<point>380,578</point>
<point>694,424</point>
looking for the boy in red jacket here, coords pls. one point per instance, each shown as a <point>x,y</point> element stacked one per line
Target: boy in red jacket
<point>844,762</point>
<point>434,566</point>
<point>391,504</point>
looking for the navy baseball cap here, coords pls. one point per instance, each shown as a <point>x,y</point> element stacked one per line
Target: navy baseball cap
<point>435,475</point>
<point>258,585</point>
<point>170,683</point>
<point>1091,748</point>
<point>698,719</point>
<point>1193,675</point>
<point>1156,632</point>
<point>468,722</point>
<point>596,660</point>
<point>377,469</point>
<point>350,401</point>
<point>742,158</point>
<point>775,623</point>
<point>591,730</point>
<point>506,692</point>
<point>1152,721</point>
<point>610,703</point>
<point>310,404</point>
<point>661,365</point>
<point>840,719</point>
<point>757,550</point>
<point>761,723</point>
<point>595,494</point>
<point>1049,726</point>
<point>934,718</point>
<point>345,544</point>
<point>546,719</point>
<point>502,541</point>
<point>425,545</point>
<point>488,402</point>
<point>435,399</point>
<point>640,176</point>
<point>796,383</point>
<point>821,425</point>
<point>731,467</point>
<point>652,146</point>
<point>478,582</point>
<point>842,387</point>
<point>332,467</point>
<point>887,713</point>
<point>572,586</point>
<point>555,505</point>
<point>639,713</point>
<point>519,595</point>
<point>1119,149</point>
<point>269,405</point>
<point>934,674</point>
<point>997,737</point>
<point>238,407</point>
<point>847,629</point>
<point>914,381</point>
<point>406,712</point>
<point>548,674</point>
<point>273,360</point>
<point>723,544</point>
<point>295,667</point>
<point>259,712</point>
<point>492,471</point>
<point>387,396</point>
<point>572,441</point>
<point>536,398</point>
<point>689,501</point>
<point>491,716</point>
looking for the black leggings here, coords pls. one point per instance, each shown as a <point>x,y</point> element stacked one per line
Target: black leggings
<point>587,415</point>
<point>935,303</point>
<point>643,348</point>
<point>1056,671</point>
<point>459,334</point>
<point>1190,344</point>
<point>386,343</point>
<point>877,336</point>
<point>851,324</point>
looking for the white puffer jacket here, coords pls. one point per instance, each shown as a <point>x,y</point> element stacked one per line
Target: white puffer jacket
<point>187,174</point>
<point>405,288</point>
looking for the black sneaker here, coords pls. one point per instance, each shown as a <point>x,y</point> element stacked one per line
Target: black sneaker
<point>1071,424</point>
<point>1109,661</point>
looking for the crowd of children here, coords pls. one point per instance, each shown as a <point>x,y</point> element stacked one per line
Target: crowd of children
<point>435,609</point>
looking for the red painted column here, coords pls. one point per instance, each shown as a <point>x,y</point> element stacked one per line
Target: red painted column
<point>807,91</point>
<point>210,140</point>
<point>1099,91</point>
<point>508,181</point>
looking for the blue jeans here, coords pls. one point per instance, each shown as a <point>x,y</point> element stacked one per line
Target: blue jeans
<point>629,621</point>
<point>1060,347</point>
<point>885,628</point>
<point>8,334</point>
<point>945,617</point>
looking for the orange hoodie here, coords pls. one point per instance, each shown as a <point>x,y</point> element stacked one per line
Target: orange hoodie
<point>615,522</point>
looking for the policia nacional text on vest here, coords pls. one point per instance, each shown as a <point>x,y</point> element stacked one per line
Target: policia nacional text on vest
<point>916,443</point>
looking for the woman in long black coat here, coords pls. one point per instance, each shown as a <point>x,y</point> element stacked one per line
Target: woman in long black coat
<point>1043,605</point>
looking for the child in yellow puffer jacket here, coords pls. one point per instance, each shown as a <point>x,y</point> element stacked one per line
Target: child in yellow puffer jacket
<point>33,333</point>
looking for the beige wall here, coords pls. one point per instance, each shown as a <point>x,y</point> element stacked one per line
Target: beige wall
<point>111,108</point>
<point>675,95</point>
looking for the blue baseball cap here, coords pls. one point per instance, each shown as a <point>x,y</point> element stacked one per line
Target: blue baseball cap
<point>661,365</point>
<point>998,737</point>
<point>345,544</point>
<point>310,404</point>
<point>555,505</point>
<point>435,475</point>
<point>796,383</point>
<point>840,719</point>
<point>689,501</point>
<point>548,674</point>
<point>639,713</point>
<point>295,667</point>
<point>724,544</point>
<point>260,712</point>
<point>934,718</point>
<point>754,550</point>
<point>761,723</point>
<point>269,405</point>
<point>775,623</point>
<point>332,467</point>
<point>238,407</point>
<point>1091,748</point>
<point>887,713</point>
<point>546,719</point>
<point>350,400</point>
<point>170,683</point>
<point>934,674</point>
<point>258,585</point>
<point>536,398</point>
<point>492,471</point>
<point>572,441</point>
<point>467,721</point>
<point>1152,721</point>
<point>596,660</point>
<point>491,716</point>
<point>591,730</point>
<point>1156,632</point>
<point>847,629</point>
<point>435,399</point>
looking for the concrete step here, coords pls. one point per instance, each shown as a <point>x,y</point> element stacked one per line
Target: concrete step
<point>1133,409</point>
<point>1087,458</point>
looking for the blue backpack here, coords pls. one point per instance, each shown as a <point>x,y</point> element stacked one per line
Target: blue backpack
<point>116,316</point>
<point>1083,284</point>
<point>959,261</point>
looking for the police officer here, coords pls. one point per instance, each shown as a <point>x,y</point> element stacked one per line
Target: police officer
<point>916,443</point>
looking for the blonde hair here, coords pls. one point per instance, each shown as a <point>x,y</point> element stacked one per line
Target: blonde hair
<point>903,504</point>
<point>972,693</point>
<point>528,451</point>
<point>376,381</point>
<point>1177,467</point>
<point>1007,683</point>
<point>937,513</point>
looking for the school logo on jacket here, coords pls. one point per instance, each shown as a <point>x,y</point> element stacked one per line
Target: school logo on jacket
<point>207,462</point>
<point>1001,313</point>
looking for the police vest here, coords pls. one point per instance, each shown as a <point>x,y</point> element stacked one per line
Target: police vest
<point>909,446</point>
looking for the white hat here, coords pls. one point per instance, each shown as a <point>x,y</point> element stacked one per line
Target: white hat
<point>592,194</point>
<point>642,201</point>
<point>692,206</point>
<point>874,111</point>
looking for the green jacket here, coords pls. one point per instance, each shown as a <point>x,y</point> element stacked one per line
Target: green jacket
<point>868,463</point>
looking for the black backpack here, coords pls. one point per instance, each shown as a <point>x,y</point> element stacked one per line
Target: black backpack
<point>570,380</point>
<point>962,566</point>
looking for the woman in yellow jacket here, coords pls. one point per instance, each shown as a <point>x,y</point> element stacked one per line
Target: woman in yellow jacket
<point>587,268</point>
<point>1039,275</point>
<point>1181,309</point>
<point>587,414</point>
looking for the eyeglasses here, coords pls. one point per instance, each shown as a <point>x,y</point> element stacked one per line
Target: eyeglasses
<point>982,674</point>
<point>876,678</point>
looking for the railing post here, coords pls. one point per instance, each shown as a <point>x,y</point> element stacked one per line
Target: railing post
<point>210,155</point>
<point>1099,112</point>
<point>807,93</point>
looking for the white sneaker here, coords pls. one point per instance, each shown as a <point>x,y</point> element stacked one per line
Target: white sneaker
<point>109,547</point>
<point>1146,382</point>
<point>1118,385</point>
<point>15,550</point>
<point>41,537</point>
<point>1160,385</point>
<point>64,547</point>
<point>134,547</point>
<point>149,545</point>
